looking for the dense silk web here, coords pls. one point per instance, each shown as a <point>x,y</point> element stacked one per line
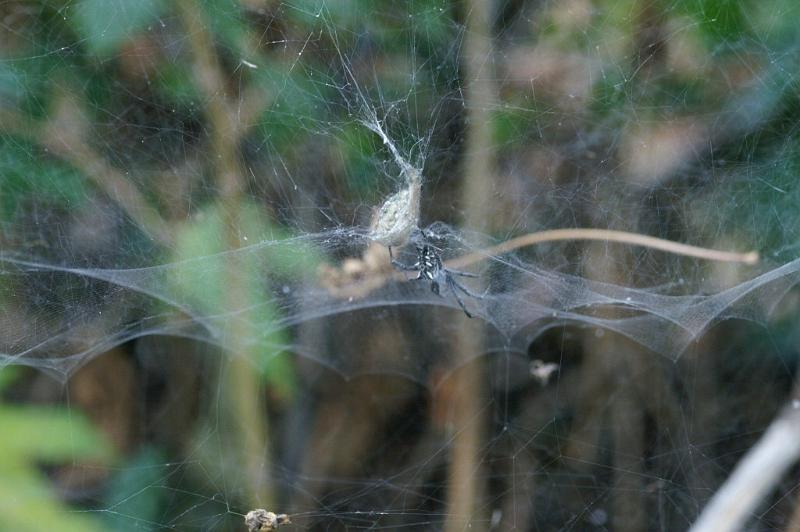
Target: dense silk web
<point>523,301</point>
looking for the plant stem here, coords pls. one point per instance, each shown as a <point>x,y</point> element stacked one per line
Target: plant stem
<point>605,235</point>
<point>466,487</point>
<point>242,386</point>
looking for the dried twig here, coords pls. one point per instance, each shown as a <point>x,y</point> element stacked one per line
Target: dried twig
<point>606,235</point>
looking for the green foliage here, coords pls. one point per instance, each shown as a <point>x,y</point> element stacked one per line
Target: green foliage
<point>775,22</point>
<point>29,173</point>
<point>433,25</point>
<point>509,126</point>
<point>12,86</point>
<point>34,436</point>
<point>295,104</point>
<point>721,21</point>
<point>176,85</point>
<point>342,14</point>
<point>228,24</point>
<point>357,146</point>
<point>205,283</point>
<point>28,83</point>
<point>105,24</point>
<point>134,494</point>
<point>7,375</point>
<point>610,93</point>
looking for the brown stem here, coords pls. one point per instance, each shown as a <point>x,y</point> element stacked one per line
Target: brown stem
<point>606,235</point>
<point>466,488</point>
<point>242,386</point>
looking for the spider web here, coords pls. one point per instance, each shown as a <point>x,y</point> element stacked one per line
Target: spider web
<point>188,193</point>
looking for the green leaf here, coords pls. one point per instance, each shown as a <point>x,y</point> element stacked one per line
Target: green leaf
<point>176,84</point>
<point>106,24</point>
<point>135,492</point>
<point>49,435</point>
<point>8,375</point>
<point>509,126</point>
<point>775,23</point>
<point>358,148</point>
<point>27,504</point>
<point>29,174</point>
<point>296,103</point>
<point>26,83</point>
<point>12,87</point>
<point>203,271</point>
<point>227,23</point>
<point>33,436</point>
<point>721,21</point>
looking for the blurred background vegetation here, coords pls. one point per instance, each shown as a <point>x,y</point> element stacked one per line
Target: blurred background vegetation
<point>135,133</point>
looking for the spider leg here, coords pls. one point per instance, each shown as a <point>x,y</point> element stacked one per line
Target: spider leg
<point>455,284</point>
<point>435,288</point>
<point>399,265</point>
<point>452,284</point>
<point>462,274</point>
<point>403,267</point>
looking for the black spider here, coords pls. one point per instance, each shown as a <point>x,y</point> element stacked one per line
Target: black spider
<point>429,267</point>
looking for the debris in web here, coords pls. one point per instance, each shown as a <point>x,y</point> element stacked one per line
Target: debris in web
<point>260,520</point>
<point>542,371</point>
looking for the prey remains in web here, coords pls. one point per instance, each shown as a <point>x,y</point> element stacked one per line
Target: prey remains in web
<point>396,223</point>
<point>261,520</point>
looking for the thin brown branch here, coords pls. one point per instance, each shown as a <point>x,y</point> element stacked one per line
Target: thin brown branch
<point>606,235</point>
<point>466,485</point>
<point>211,81</point>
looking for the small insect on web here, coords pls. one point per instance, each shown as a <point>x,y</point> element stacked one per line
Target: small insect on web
<point>429,266</point>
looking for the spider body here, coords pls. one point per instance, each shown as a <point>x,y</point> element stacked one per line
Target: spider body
<point>429,267</point>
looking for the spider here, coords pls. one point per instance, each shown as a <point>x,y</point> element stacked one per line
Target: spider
<point>429,267</point>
